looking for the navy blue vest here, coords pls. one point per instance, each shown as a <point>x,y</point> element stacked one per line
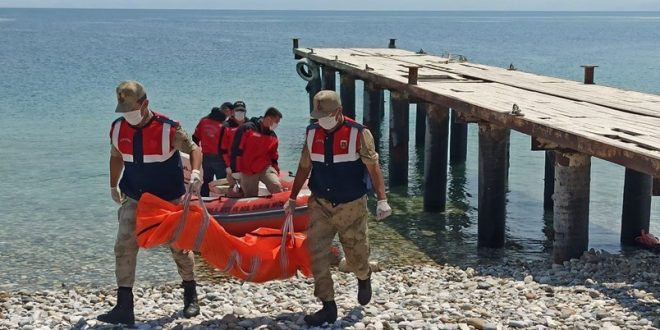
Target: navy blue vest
<point>338,182</point>
<point>163,178</point>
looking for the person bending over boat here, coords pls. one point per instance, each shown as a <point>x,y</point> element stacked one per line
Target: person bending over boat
<point>237,118</point>
<point>145,146</point>
<point>342,159</point>
<point>254,154</point>
<point>207,135</point>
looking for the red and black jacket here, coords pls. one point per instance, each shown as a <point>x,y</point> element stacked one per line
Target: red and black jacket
<point>227,137</point>
<point>208,134</point>
<point>254,148</point>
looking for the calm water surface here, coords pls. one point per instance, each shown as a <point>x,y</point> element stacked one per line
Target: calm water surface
<point>58,70</point>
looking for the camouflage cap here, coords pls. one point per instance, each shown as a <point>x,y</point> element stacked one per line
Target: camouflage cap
<point>129,93</point>
<point>326,102</point>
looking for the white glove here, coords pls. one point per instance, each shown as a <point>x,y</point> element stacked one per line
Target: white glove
<point>117,196</point>
<point>195,181</point>
<point>383,210</point>
<point>289,207</point>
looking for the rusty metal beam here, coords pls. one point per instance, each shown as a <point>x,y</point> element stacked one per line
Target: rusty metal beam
<point>465,118</point>
<point>542,144</point>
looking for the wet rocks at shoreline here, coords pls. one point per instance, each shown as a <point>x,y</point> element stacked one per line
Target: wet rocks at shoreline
<point>598,291</point>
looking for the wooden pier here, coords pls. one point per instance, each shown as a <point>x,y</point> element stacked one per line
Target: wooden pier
<point>568,120</point>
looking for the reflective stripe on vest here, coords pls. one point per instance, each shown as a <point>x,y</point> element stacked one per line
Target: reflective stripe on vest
<point>317,150</point>
<point>124,143</point>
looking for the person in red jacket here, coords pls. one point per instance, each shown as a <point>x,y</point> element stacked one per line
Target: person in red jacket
<point>254,154</point>
<point>236,119</point>
<point>207,135</point>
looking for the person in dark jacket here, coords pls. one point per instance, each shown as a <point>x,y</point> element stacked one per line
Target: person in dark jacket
<point>207,134</point>
<point>236,119</point>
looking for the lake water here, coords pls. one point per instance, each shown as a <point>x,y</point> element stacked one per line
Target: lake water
<point>59,68</point>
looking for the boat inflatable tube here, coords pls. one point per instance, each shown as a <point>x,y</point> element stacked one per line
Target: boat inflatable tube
<point>239,216</point>
<point>261,255</point>
<point>307,69</point>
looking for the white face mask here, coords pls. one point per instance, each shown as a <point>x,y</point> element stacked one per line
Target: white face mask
<point>273,126</point>
<point>328,122</point>
<point>133,117</point>
<point>240,115</point>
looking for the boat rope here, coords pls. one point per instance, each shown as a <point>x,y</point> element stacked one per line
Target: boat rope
<point>287,231</point>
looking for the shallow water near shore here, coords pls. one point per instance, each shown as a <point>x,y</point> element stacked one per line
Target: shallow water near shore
<point>61,67</point>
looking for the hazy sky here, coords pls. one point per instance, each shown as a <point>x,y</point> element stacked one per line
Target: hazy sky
<point>587,5</point>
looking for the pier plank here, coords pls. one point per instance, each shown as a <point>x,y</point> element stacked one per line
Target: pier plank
<point>613,124</point>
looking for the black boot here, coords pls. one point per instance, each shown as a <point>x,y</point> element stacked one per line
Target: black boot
<point>327,314</point>
<point>123,311</point>
<point>364,291</point>
<point>190,305</point>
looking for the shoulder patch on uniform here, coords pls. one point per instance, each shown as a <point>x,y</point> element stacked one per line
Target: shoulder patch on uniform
<point>353,124</point>
<point>166,120</point>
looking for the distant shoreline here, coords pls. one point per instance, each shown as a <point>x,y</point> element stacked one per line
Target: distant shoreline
<point>395,11</point>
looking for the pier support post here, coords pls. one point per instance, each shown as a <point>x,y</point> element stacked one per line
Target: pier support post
<point>549,181</point>
<point>329,78</point>
<point>458,140</point>
<point>372,110</point>
<point>313,87</point>
<point>420,124</point>
<point>399,135</point>
<point>296,42</point>
<point>373,105</point>
<point>435,157</point>
<point>493,149</point>
<point>571,209</point>
<point>347,94</point>
<point>392,43</point>
<point>589,74</point>
<point>636,215</point>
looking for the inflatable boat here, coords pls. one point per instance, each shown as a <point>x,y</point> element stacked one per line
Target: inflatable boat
<point>242,215</point>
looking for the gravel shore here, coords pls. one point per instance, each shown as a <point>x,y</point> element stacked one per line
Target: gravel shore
<point>598,291</point>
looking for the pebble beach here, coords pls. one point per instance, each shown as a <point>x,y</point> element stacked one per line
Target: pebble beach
<point>597,291</point>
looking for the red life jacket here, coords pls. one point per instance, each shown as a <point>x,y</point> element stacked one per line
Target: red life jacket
<point>208,131</point>
<point>151,164</point>
<point>338,173</point>
<point>257,149</point>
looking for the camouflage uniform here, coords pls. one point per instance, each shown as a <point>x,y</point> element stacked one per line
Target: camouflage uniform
<point>349,220</point>
<point>126,247</point>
